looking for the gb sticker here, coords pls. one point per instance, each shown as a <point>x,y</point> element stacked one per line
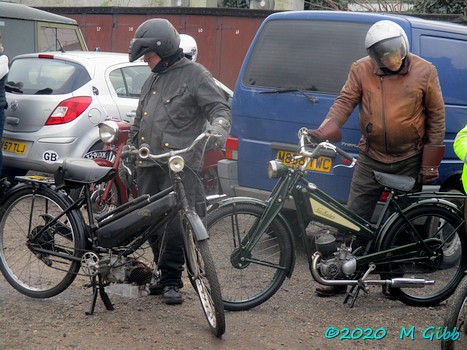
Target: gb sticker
<point>50,157</point>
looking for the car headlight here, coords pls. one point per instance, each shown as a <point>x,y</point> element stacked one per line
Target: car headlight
<point>108,131</point>
<point>276,169</point>
<point>176,164</point>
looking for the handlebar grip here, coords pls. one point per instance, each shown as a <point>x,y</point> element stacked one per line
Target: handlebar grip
<point>125,154</point>
<point>345,155</point>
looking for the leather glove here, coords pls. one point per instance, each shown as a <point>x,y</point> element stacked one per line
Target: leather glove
<point>219,132</point>
<point>126,169</point>
<point>327,131</point>
<point>431,158</point>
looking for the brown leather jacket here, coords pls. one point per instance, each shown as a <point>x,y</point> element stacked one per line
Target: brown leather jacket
<point>398,113</point>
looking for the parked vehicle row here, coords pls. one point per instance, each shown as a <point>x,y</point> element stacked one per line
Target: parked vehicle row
<point>57,99</point>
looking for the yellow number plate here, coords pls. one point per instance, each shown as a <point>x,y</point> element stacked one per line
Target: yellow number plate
<point>13,146</point>
<point>322,164</point>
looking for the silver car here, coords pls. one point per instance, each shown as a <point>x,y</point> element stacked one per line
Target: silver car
<point>55,101</point>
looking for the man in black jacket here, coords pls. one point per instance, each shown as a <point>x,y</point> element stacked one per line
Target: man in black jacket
<point>177,101</point>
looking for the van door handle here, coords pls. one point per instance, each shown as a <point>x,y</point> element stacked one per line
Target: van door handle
<point>12,121</point>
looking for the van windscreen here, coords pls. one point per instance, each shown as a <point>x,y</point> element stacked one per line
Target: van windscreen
<point>306,54</point>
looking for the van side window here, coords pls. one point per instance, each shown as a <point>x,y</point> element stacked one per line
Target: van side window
<point>58,38</point>
<point>450,58</point>
<point>300,55</point>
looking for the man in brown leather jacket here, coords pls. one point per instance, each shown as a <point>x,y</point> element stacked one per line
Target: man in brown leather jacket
<point>402,118</point>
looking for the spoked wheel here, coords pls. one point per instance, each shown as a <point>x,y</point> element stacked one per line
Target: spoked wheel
<point>456,319</point>
<point>248,276</point>
<point>37,261</point>
<point>440,228</point>
<point>203,276</point>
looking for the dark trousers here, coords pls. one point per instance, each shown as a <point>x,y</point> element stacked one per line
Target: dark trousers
<point>365,190</point>
<point>170,258</point>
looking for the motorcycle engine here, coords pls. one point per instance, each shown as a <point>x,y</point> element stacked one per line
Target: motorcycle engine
<point>120,269</point>
<point>336,262</point>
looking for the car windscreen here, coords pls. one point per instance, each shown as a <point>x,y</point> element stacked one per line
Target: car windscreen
<point>305,54</point>
<point>45,76</point>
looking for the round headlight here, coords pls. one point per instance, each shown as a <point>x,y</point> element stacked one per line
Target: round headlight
<point>108,131</point>
<point>276,169</point>
<point>176,164</point>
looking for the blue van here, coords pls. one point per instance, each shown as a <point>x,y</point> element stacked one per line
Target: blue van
<point>294,69</point>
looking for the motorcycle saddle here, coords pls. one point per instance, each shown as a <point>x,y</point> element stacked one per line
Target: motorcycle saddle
<point>81,170</point>
<point>398,182</point>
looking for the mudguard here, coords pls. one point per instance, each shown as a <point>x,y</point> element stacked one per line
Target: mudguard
<point>24,182</point>
<point>198,227</point>
<point>251,200</point>
<point>428,201</point>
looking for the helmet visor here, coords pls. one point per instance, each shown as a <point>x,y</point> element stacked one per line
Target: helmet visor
<point>140,47</point>
<point>385,52</point>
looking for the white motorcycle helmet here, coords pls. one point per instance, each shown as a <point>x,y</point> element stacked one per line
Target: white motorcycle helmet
<point>385,38</point>
<point>189,46</point>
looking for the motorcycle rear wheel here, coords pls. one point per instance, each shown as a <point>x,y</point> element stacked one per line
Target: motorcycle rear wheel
<point>49,272</point>
<point>448,228</point>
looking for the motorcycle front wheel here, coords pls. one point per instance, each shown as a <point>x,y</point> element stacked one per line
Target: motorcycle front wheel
<point>440,228</point>
<point>248,276</point>
<point>202,274</point>
<point>38,262</point>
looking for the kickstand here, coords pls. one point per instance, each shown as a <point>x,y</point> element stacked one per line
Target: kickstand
<point>353,294</point>
<point>98,288</point>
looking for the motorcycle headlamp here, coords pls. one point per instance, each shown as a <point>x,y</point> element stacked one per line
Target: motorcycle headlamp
<point>176,164</point>
<point>276,169</point>
<point>108,131</point>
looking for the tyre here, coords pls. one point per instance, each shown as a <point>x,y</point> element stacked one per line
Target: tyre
<point>248,277</point>
<point>439,227</point>
<point>203,277</point>
<point>33,273</point>
<point>456,317</point>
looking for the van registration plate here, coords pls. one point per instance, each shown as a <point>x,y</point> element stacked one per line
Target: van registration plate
<point>13,146</point>
<point>322,164</point>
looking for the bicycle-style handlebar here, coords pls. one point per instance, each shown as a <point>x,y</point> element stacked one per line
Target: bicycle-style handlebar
<point>144,151</point>
<point>318,150</point>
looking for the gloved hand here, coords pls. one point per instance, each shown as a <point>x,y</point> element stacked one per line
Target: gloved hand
<point>428,175</point>
<point>126,169</point>
<point>218,136</point>
<point>327,131</point>
<point>431,158</point>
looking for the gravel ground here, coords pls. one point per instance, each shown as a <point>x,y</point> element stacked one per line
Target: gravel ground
<point>292,319</point>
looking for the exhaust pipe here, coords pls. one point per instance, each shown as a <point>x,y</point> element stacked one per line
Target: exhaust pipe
<point>394,282</point>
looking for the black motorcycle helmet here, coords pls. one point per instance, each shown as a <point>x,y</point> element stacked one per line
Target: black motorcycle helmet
<point>154,35</point>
